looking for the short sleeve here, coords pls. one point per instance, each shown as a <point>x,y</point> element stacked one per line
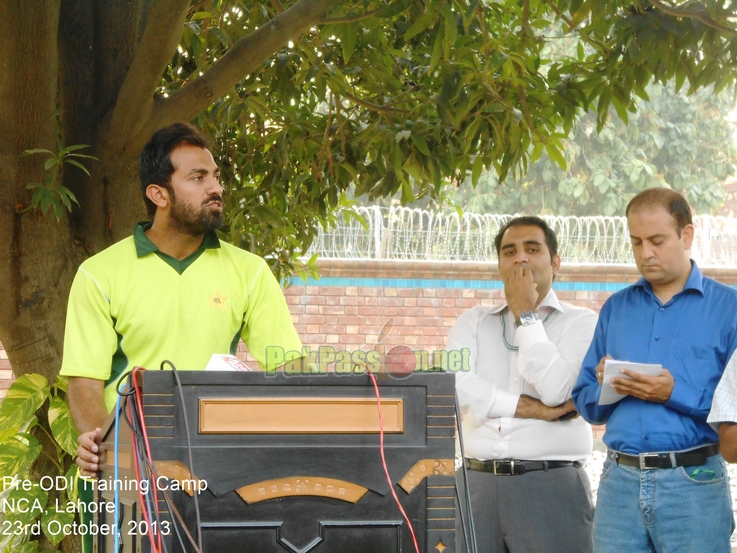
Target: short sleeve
<point>268,330</point>
<point>90,340</point>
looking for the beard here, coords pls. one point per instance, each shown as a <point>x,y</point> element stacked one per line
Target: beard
<point>196,221</point>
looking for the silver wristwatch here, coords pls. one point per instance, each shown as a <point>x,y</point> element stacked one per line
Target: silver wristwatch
<point>526,319</point>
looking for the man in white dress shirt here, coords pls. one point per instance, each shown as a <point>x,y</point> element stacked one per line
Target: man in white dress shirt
<point>524,446</point>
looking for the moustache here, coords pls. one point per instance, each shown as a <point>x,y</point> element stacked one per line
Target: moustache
<point>213,199</point>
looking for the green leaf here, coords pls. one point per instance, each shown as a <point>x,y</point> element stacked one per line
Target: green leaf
<point>451,30</point>
<point>62,426</point>
<point>437,50</point>
<point>26,505</point>
<point>555,154</point>
<point>408,195</point>
<point>37,151</point>
<point>349,41</point>
<point>17,455</point>
<point>420,24</point>
<point>201,15</point>
<point>73,148</point>
<point>63,518</point>
<point>62,383</point>
<point>28,547</point>
<point>25,396</point>
<point>478,166</point>
<point>420,143</point>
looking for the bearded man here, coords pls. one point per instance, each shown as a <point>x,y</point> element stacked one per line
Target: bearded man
<point>171,291</point>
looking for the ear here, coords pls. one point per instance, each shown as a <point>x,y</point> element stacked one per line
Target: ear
<point>158,195</point>
<point>687,233</point>
<point>556,264</point>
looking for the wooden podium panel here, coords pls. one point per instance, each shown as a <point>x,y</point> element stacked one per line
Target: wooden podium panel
<point>292,463</point>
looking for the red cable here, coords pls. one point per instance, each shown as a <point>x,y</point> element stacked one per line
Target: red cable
<point>383,462</point>
<point>142,500</point>
<point>139,405</point>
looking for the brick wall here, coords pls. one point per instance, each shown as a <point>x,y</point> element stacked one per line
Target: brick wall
<point>353,300</point>
<point>6,374</point>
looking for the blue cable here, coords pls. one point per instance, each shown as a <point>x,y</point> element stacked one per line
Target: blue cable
<point>116,543</point>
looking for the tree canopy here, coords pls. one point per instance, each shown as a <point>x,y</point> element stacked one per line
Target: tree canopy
<point>302,98</point>
<point>686,142</point>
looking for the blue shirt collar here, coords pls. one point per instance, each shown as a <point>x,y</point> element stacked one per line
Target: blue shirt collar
<point>695,282</point>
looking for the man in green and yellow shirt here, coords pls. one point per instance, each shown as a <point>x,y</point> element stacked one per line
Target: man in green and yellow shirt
<point>171,291</point>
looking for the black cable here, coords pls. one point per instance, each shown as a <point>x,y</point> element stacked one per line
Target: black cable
<point>174,523</point>
<point>471,540</point>
<point>181,521</point>
<point>131,389</point>
<point>189,449</point>
<point>461,512</point>
<point>140,452</point>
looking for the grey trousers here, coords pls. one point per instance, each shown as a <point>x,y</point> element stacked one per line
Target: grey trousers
<point>537,512</point>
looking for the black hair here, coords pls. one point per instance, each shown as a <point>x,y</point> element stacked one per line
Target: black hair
<point>529,220</point>
<point>154,163</point>
<point>670,200</point>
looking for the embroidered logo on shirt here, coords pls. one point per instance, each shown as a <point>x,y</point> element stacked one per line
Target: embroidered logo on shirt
<point>217,301</point>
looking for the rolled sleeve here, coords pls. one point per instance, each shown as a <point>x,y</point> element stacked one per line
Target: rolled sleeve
<point>552,368</point>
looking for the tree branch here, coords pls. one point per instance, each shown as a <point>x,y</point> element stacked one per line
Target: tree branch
<point>158,43</point>
<point>374,107</point>
<point>700,16</point>
<point>352,18</point>
<point>244,57</point>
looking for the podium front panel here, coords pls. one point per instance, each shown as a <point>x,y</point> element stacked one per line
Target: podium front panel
<point>292,462</point>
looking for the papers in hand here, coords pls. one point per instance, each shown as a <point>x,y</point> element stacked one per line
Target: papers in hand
<point>613,368</point>
<point>219,362</point>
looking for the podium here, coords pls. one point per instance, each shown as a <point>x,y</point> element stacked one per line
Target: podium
<point>290,463</point>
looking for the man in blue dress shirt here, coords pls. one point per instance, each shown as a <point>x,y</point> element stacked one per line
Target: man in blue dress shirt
<point>664,486</point>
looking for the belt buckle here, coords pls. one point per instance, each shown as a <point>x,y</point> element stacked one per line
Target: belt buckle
<point>514,469</point>
<point>498,465</point>
<point>643,460</point>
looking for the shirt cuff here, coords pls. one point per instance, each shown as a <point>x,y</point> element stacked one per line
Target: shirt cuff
<point>530,335</point>
<point>683,398</point>
<point>505,405</point>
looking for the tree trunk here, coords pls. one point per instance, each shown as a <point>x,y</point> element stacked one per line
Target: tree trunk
<point>68,76</point>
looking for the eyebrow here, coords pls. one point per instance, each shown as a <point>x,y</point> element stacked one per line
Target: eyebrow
<point>647,237</point>
<point>202,171</point>
<point>525,243</point>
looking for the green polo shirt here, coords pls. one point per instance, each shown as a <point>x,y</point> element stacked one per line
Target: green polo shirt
<point>132,305</point>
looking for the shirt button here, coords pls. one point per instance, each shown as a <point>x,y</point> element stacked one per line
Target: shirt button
<point>657,338</point>
<point>662,308</point>
<point>647,437</point>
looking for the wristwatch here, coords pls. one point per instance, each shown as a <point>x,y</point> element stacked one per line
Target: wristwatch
<point>526,319</point>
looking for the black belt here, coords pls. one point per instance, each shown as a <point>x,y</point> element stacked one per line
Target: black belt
<point>670,460</point>
<point>513,467</point>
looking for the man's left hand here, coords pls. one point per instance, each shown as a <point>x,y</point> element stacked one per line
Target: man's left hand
<point>657,389</point>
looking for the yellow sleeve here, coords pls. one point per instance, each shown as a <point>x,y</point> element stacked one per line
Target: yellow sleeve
<point>90,339</point>
<point>268,323</point>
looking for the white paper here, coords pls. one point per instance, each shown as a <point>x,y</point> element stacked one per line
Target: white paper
<point>220,362</point>
<point>613,368</point>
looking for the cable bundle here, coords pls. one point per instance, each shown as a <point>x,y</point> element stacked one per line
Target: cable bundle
<point>130,405</point>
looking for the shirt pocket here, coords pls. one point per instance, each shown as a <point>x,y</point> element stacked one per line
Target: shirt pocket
<point>696,365</point>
